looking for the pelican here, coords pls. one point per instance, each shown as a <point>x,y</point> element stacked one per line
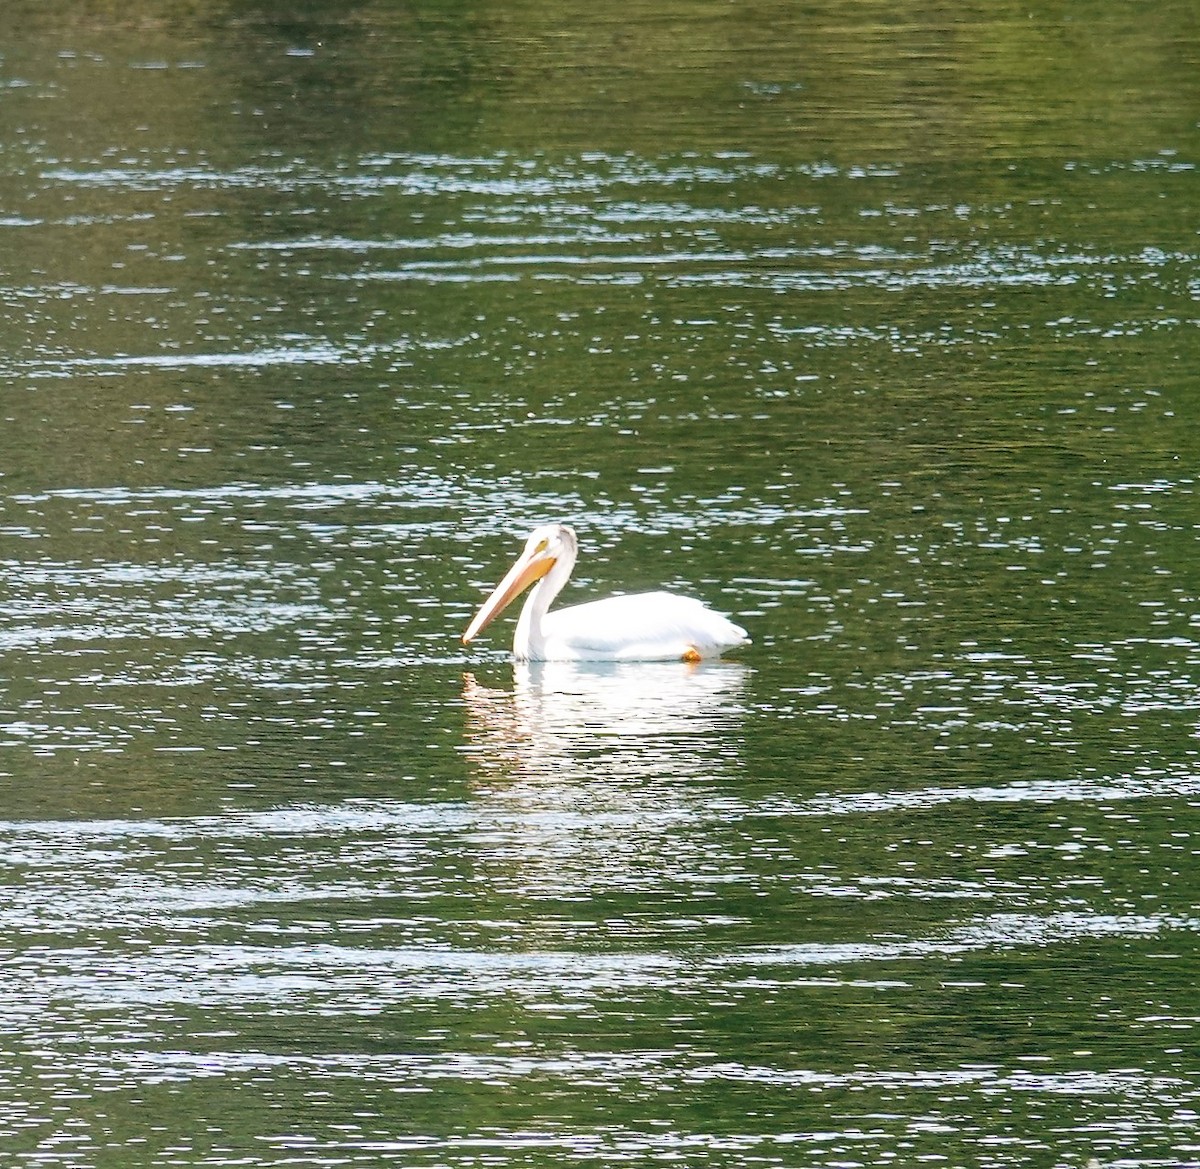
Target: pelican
<point>638,627</point>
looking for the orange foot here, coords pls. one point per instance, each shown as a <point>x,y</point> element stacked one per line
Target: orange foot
<point>691,654</point>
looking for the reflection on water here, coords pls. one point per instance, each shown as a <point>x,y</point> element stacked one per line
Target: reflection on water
<point>572,721</point>
<point>595,776</point>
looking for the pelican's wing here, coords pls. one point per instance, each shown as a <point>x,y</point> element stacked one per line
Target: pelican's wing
<point>639,627</point>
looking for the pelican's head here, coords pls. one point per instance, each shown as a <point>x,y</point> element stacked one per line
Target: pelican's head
<point>545,547</point>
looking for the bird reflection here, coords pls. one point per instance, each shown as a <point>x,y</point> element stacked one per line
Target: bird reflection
<point>603,784</point>
<point>619,718</point>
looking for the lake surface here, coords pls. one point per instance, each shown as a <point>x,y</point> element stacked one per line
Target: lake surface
<point>875,329</point>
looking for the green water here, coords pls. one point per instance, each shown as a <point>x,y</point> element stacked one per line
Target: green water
<point>874,328</point>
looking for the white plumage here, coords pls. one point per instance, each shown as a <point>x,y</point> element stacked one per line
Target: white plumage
<point>644,627</point>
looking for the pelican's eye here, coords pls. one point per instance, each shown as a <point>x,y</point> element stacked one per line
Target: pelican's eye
<point>542,545</point>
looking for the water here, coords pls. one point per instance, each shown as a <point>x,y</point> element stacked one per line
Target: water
<point>875,330</point>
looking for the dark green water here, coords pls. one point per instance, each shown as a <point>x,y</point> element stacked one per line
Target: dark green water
<point>875,328</point>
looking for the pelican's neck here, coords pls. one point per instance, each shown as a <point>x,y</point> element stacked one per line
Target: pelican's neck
<point>529,641</point>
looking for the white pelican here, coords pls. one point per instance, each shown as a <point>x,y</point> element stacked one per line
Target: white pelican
<point>638,627</point>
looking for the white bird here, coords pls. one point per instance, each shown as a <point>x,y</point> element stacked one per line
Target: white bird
<point>637,627</point>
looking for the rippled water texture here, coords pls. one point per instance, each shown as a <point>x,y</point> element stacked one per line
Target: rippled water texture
<point>875,329</point>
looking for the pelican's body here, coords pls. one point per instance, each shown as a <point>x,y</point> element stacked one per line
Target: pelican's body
<point>638,627</point>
